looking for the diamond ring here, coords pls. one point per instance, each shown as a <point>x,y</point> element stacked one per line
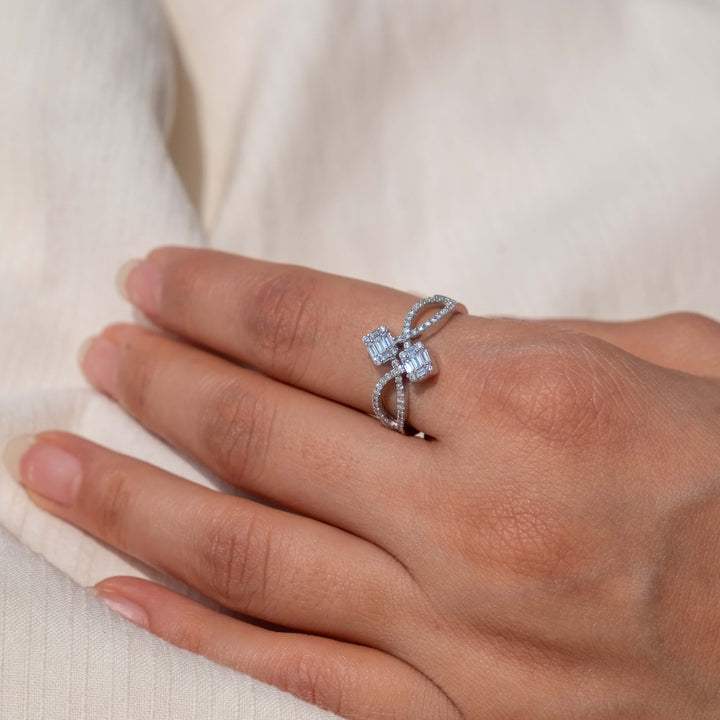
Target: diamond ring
<point>412,361</point>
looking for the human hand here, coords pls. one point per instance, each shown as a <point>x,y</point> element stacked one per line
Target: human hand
<point>552,552</point>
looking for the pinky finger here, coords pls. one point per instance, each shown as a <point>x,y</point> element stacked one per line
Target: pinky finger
<point>355,682</point>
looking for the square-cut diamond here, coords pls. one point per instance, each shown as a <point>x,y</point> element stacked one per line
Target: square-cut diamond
<point>381,345</point>
<point>416,362</point>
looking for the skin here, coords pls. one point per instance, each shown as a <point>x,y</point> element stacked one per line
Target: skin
<point>550,550</point>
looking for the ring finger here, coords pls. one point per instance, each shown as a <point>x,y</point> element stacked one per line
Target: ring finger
<point>250,558</point>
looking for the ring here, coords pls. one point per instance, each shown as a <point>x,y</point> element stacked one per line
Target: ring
<point>412,361</point>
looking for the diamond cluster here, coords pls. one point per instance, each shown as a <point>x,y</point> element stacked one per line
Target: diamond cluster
<point>412,361</point>
<point>381,345</point>
<point>416,362</point>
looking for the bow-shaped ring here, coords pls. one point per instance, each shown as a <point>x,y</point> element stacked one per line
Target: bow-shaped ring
<point>412,361</point>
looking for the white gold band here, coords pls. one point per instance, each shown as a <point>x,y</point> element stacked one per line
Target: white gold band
<point>413,360</point>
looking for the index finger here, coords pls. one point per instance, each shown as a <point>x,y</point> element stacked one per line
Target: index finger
<point>299,326</point>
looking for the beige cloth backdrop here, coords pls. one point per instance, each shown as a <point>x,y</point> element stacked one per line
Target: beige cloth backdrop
<point>527,158</point>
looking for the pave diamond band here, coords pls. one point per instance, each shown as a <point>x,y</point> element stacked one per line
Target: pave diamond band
<point>407,359</point>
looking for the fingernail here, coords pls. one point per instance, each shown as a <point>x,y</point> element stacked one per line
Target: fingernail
<point>139,282</point>
<point>122,275</point>
<point>122,606</point>
<point>44,469</point>
<point>99,358</point>
<point>13,453</point>
<point>82,350</point>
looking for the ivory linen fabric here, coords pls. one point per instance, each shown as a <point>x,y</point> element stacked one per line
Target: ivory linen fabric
<point>556,158</point>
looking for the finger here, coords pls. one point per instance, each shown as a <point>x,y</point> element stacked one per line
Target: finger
<point>358,683</point>
<point>299,326</point>
<point>682,341</point>
<point>273,565</point>
<point>306,453</point>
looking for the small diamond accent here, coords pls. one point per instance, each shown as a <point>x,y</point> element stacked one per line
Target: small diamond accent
<point>416,362</point>
<point>380,345</point>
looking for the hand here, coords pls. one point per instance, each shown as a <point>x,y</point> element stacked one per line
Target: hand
<point>553,551</point>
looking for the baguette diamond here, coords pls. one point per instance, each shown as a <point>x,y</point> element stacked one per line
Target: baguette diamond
<point>416,362</point>
<point>380,345</point>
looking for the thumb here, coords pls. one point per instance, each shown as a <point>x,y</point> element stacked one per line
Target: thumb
<point>682,341</point>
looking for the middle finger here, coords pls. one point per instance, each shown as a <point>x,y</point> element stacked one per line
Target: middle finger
<point>294,448</point>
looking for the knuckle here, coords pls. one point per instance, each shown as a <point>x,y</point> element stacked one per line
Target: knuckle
<point>236,428</point>
<point>689,328</point>
<point>319,680</point>
<point>285,317</point>
<point>189,636</point>
<point>236,558</point>
<point>136,376</point>
<point>115,505</point>
<point>184,281</point>
<point>689,341</point>
<point>562,391</point>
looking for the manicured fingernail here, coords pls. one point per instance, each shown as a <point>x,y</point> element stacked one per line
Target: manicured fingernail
<point>139,282</point>
<point>13,453</point>
<point>122,606</point>
<point>99,358</point>
<point>44,469</point>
